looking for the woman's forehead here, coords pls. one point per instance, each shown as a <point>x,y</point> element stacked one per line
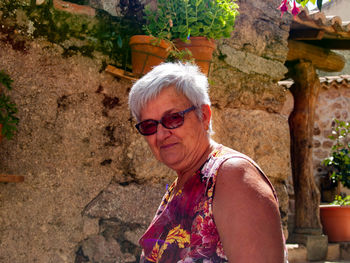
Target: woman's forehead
<point>167,100</point>
<point>169,95</point>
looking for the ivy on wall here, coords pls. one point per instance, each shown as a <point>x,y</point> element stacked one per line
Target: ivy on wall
<point>74,33</point>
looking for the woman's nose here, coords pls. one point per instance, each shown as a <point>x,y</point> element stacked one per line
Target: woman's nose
<point>162,132</point>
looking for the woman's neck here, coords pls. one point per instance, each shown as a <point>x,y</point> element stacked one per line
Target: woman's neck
<point>183,176</point>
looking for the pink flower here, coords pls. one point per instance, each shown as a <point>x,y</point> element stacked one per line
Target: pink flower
<point>196,240</point>
<point>283,7</point>
<point>295,10</point>
<point>209,232</point>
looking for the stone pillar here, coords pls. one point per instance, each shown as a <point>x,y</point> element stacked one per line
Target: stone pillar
<point>308,230</point>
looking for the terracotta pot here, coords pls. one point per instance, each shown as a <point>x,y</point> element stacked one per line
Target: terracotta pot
<point>202,51</point>
<point>336,222</point>
<point>147,52</point>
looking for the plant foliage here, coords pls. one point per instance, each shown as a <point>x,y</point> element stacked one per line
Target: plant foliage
<point>74,33</point>
<point>8,109</point>
<point>339,160</point>
<point>173,19</point>
<point>338,200</point>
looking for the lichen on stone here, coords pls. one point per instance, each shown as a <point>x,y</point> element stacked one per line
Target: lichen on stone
<point>76,34</point>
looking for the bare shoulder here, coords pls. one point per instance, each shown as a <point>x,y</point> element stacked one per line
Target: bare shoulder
<point>244,179</point>
<point>241,185</point>
<point>247,214</point>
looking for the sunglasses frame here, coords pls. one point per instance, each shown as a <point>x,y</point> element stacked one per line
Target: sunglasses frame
<point>182,114</point>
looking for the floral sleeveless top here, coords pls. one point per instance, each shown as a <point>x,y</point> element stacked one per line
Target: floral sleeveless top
<point>183,229</point>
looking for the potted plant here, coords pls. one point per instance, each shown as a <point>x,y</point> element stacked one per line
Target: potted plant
<point>338,162</point>
<point>335,217</point>
<point>192,25</point>
<point>8,109</point>
<point>147,52</point>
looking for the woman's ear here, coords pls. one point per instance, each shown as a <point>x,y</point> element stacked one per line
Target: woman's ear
<point>206,115</point>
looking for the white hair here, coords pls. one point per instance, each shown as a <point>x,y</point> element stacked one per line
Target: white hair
<point>186,78</point>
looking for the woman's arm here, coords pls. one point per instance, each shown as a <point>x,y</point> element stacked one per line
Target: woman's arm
<point>247,215</point>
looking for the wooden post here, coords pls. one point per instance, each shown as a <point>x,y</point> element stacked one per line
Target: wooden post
<point>307,197</point>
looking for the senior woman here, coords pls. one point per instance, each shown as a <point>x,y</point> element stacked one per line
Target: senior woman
<point>221,207</point>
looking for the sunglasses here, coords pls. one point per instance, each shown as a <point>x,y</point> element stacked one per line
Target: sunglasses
<point>169,121</point>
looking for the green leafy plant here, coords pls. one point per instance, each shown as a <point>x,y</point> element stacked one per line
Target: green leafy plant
<point>182,55</point>
<point>173,19</point>
<point>339,200</point>
<point>339,160</point>
<point>8,109</point>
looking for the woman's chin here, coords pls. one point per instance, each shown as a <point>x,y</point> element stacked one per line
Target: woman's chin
<point>170,160</point>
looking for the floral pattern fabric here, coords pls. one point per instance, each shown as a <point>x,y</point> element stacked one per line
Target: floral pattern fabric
<point>183,229</point>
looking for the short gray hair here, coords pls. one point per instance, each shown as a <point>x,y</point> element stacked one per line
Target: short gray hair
<point>186,78</point>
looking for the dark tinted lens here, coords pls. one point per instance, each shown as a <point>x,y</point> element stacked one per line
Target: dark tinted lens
<point>148,127</point>
<point>172,121</point>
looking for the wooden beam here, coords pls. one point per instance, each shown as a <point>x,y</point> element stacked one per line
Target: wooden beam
<point>306,34</point>
<point>11,178</point>
<point>117,72</point>
<point>340,44</point>
<point>321,58</point>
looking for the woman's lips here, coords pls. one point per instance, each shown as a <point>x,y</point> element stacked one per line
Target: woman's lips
<point>168,145</point>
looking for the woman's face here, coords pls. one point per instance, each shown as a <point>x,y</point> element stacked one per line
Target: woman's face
<point>177,148</point>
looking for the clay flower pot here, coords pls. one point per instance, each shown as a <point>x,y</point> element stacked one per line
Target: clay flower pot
<point>202,50</point>
<point>147,52</point>
<point>335,220</point>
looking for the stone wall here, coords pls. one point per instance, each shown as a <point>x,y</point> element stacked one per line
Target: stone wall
<point>333,103</point>
<point>91,184</point>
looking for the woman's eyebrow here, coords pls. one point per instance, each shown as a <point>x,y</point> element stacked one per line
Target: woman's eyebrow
<point>169,111</point>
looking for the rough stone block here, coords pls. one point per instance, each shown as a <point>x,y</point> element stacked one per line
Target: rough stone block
<point>296,253</point>
<point>333,252</point>
<point>110,6</point>
<point>253,64</point>
<point>98,249</point>
<point>122,202</point>
<point>317,246</point>
<point>345,251</point>
<point>316,143</point>
<point>90,226</point>
<point>288,105</point>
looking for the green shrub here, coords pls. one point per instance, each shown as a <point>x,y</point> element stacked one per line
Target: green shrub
<point>339,160</point>
<point>338,200</point>
<point>8,109</point>
<point>173,19</point>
